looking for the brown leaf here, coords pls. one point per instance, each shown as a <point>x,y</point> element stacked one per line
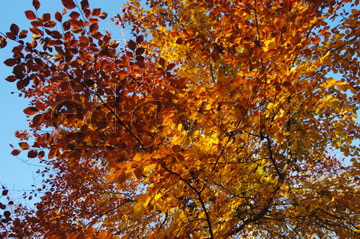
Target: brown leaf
<point>10,62</point>
<point>69,4</point>
<point>41,154</point>
<point>103,15</point>
<point>30,15</point>
<point>74,15</point>
<point>140,51</point>
<point>58,16</point>
<point>15,152</point>
<point>30,110</point>
<point>14,29</point>
<point>11,35</point>
<point>96,12</point>
<point>36,4</point>
<point>84,4</point>
<point>23,34</point>
<point>32,154</point>
<point>132,45</point>
<point>11,78</point>
<point>84,40</point>
<point>52,153</point>
<point>162,62</point>
<point>24,145</point>
<point>139,39</point>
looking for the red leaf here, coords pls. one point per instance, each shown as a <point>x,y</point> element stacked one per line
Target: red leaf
<point>84,40</point>
<point>5,192</point>
<point>94,27</point>
<point>46,17</point>
<point>84,4</point>
<point>15,152</point>
<point>30,15</point>
<point>36,4</point>
<point>31,110</point>
<point>10,62</point>
<point>24,145</point>
<point>58,16</point>
<point>69,4</point>
<point>32,154</point>
<point>96,11</point>
<point>74,15</point>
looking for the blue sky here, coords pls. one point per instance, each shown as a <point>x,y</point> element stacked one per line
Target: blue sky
<point>18,173</point>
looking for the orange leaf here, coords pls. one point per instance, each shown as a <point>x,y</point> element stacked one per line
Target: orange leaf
<point>316,40</point>
<point>24,145</point>
<point>52,153</point>
<point>30,110</point>
<point>84,40</point>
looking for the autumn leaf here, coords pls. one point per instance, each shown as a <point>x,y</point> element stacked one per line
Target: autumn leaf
<point>30,15</point>
<point>31,110</point>
<point>69,4</point>
<point>132,45</point>
<point>15,152</point>
<point>84,4</point>
<point>10,62</point>
<point>36,4</point>
<point>32,154</point>
<point>24,145</point>
<point>214,120</point>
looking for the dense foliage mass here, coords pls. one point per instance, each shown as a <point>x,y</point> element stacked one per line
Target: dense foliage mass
<point>218,119</point>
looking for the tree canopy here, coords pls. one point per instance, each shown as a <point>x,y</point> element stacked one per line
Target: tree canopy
<point>217,119</point>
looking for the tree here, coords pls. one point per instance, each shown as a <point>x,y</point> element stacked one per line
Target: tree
<point>219,119</point>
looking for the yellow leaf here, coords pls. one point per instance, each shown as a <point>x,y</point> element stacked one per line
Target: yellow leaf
<point>157,196</point>
<point>138,210</point>
<point>329,84</point>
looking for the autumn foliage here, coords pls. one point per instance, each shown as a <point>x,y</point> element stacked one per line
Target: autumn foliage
<point>217,119</point>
